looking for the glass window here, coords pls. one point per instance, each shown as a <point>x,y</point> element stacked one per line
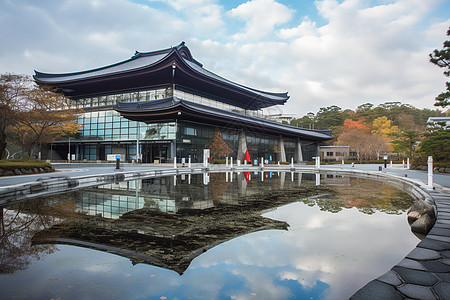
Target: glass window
<point>190,131</point>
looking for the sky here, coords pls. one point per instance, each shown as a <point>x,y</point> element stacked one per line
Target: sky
<point>322,52</point>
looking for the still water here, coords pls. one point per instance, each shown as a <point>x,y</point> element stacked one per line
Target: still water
<point>206,236</point>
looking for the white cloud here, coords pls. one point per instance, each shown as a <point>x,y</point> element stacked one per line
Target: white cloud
<point>306,28</point>
<point>260,18</point>
<point>359,53</point>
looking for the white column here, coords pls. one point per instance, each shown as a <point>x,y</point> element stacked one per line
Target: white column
<point>298,151</point>
<point>407,163</point>
<point>175,162</point>
<point>242,146</point>
<point>282,153</point>
<point>430,171</point>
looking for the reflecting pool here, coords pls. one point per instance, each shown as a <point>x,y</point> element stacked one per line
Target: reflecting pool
<point>245,235</point>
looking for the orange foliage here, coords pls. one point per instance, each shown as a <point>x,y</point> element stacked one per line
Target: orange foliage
<point>350,124</point>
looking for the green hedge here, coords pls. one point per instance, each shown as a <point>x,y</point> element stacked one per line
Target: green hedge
<point>11,165</point>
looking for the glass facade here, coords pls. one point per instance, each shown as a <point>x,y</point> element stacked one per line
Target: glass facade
<point>108,125</point>
<point>217,104</point>
<point>105,132</point>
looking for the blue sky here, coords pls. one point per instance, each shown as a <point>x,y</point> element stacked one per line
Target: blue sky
<point>323,52</point>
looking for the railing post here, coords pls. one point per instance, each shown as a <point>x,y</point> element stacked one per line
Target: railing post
<point>430,171</point>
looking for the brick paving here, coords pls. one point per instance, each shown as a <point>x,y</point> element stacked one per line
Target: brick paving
<point>425,272</point>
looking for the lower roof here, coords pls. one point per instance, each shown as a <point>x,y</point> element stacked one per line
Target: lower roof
<point>173,108</point>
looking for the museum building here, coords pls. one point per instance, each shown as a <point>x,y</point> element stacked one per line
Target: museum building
<point>163,104</point>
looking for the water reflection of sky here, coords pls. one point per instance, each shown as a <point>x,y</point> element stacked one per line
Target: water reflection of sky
<point>323,255</point>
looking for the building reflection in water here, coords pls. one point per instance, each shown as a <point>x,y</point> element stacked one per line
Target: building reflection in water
<point>197,192</point>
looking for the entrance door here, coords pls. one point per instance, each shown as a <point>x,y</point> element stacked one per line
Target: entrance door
<point>153,152</point>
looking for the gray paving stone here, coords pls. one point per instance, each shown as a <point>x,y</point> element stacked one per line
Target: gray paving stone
<point>423,254</point>
<point>442,222</point>
<point>442,290</point>
<point>440,231</point>
<point>439,238</point>
<point>446,261</point>
<point>411,264</point>
<point>436,266</point>
<point>443,215</point>
<point>434,244</point>
<point>417,292</point>
<point>390,277</point>
<point>445,253</point>
<point>415,276</point>
<point>443,276</point>
<point>376,290</point>
<point>440,225</point>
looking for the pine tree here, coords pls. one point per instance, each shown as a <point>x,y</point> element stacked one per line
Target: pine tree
<point>441,58</point>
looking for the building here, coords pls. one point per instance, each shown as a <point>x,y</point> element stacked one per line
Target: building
<point>336,153</point>
<point>443,122</point>
<point>163,104</point>
<point>280,118</point>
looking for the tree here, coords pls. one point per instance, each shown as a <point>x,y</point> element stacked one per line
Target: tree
<point>219,148</point>
<point>437,144</point>
<point>350,124</point>
<point>42,116</point>
<point>383,126</point>
<point>12,88</point>
<point>329,117</point>
<point>441,58</point>
<point>46,118</point>
<point>407,142</point>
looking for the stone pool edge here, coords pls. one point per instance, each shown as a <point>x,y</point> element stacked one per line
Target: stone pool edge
<point>423,274</point>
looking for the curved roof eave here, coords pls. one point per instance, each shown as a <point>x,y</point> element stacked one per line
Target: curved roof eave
<point>146,57</point>
<point>146,60</point>
<point>174,103</point>
<point>281,98</point>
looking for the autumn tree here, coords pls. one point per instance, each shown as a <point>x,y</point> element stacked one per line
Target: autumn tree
<point>351,124</point>
<point>37,115</point>
<point>218,147</point>
<point>12,89</point>
<point>383,126</point>
<point>46,118</point>
<point>441,58</point>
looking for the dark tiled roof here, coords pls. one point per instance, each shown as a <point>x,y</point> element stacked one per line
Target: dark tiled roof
<point>173,107</point>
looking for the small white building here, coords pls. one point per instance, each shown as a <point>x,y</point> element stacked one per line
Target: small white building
<point>435,120</point>
<point>281,117</point>
<point>336,153</point>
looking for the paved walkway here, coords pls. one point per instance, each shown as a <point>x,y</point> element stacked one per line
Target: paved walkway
<point>422,274</point>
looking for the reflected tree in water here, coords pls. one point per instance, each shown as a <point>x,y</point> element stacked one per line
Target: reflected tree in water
<point>368,196</point>
<point>19,223</point>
